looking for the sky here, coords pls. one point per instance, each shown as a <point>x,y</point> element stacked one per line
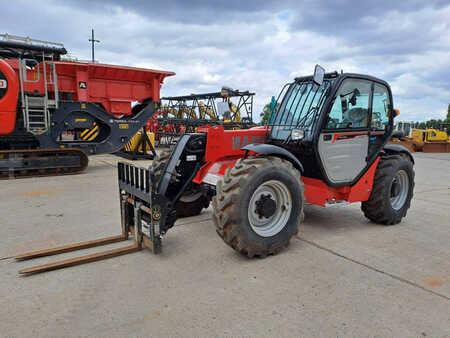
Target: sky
<point>257,45</point>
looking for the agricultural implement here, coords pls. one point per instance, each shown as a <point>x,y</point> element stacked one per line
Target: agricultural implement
<point>184,114</point>
<point>55,112</point>
<point>326,143</point>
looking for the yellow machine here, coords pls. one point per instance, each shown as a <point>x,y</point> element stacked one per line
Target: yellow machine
<point>430,140</point>
<point>429,135</point>
<point>236,114</point>
<point>186,112</point>
<point>133,143</point>
<point>204,112</point>
<point>140,147</point>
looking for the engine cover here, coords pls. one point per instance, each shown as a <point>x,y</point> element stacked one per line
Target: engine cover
<point>9,93</point>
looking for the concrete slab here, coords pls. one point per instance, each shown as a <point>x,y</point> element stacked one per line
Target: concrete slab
<point>343,276</point>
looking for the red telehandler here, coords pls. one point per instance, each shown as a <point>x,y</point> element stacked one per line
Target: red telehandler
<point>326,143</point>
<point>55,112</point>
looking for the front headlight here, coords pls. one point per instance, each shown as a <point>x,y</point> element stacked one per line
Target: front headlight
<point>297,134</point>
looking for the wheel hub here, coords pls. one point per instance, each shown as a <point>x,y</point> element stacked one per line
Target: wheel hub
<point>399,189</point>
<point>269,208</point>
<point>265,206</point>
<point>395,190</point>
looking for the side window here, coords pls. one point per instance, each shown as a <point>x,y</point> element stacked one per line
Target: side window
<point>380,107</point>
<point>351,105</point>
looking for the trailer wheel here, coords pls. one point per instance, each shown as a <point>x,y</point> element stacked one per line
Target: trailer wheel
<point>259,205</point>
<point>392,190</point>
<point>193,201</point>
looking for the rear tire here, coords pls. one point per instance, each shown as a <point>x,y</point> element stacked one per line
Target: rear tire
<point>392,190</point>
<point>259,205</point>
<point>192,202</point>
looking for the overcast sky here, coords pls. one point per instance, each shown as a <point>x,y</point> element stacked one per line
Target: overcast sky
<point>258,45</point>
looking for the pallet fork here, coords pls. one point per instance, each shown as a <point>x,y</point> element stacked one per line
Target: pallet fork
<point>137,218</point>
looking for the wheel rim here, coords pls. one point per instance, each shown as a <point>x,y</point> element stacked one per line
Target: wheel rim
<point>399,189</point>
<point>271,225</point>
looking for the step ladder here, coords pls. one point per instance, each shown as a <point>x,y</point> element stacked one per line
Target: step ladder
<point>36,109</point>
<point>37,115</point>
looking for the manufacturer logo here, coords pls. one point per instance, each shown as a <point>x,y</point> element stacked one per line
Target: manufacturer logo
<point>238,143</point>
<point>82,85</point>
<point>3,84</point>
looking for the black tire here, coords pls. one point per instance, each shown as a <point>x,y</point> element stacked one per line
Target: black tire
<point>186,206</point>
<point>379,207</point>
<point>192,208</point>
<point>231,204</point>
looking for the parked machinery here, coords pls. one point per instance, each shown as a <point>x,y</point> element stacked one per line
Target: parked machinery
<point>321,146</point>
<point>405,127</point>
<point>183,114</point>
<point>430,140</point>
<point>55,112</point>
<point>402,135</point>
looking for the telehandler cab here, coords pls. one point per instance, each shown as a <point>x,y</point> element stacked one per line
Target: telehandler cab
<point>325,144</point>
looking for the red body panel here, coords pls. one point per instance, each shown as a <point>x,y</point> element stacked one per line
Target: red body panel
<point>223,150</point>
<point>8,103</point>
<point>319,193</point>
<point>223,147</point>
<point>222,143</point>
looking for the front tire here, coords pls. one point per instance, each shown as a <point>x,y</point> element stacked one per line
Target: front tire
<point>259,205</point>
<point>392,190</point>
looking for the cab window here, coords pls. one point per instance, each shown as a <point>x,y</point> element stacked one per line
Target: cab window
<point>380,107</point>
<point>350,109</point>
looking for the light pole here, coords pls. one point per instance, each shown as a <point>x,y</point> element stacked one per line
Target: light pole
<point>93,41</point>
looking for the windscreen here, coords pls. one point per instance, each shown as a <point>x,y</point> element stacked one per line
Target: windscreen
<point>299,108</point>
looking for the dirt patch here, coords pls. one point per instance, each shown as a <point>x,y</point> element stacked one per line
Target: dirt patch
<point>435,282</point>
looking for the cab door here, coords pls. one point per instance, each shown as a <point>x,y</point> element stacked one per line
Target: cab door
<point>380,122</point>
<point>344,141</point>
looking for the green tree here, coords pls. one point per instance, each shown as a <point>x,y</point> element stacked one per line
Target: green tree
<point>265,114</point>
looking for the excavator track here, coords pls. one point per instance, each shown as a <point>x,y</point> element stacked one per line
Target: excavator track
<point>41,162</point>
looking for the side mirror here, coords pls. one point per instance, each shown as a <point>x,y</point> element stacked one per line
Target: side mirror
<point>319,74</point>
<point>297,134</point>
<point>344,104</point>
<point>354,95</point>
<point>393,113</point>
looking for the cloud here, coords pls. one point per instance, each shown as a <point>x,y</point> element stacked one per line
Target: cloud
<point>258,46</point>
